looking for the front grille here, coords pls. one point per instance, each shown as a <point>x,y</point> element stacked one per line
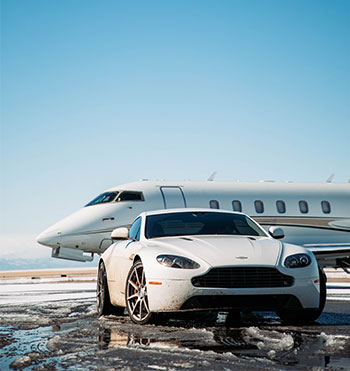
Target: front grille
<point>243,277</point>
<point>242,302</point>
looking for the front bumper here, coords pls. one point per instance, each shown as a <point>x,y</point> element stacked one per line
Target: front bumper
<point>177,295</point>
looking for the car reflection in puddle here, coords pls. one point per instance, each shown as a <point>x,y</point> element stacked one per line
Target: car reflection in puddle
<point>116,338</point>
<point>259,338</point>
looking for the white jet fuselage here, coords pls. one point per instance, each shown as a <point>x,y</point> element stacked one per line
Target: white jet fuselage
<point>311,214</point>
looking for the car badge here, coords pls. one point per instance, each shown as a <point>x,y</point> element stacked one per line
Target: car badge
<point>241,257</point>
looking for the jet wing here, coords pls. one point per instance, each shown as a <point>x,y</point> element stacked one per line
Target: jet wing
<point>331,255</point>
<point>71,254</point>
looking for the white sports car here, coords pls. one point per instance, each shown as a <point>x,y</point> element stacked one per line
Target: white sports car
<point>205,259</point>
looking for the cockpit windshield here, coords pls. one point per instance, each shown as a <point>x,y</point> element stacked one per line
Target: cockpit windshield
<point>117,196</point>
<point>103,198</point>
<point>200,223</point>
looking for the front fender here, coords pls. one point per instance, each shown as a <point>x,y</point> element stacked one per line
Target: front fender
<point>307,272</point>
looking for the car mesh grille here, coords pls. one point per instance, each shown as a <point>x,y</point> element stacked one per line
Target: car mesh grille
<point>243,277</point>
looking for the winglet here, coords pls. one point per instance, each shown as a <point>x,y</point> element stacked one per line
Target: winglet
<point>330,179</point>
<point>212,176</point>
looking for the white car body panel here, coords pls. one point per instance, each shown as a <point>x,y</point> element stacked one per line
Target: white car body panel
<point>169,288</point>
<point>170,296</point>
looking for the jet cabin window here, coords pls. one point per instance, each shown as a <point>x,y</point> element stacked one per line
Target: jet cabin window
<point>116,197</point>
<point>303,207</point>
<point>237,206</point>
<point>281,206</point>
<point>259,206</point>
<point>326,207</point>
<point>214,204</point>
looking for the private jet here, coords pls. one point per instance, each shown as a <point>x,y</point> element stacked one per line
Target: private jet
<point>313,215</point>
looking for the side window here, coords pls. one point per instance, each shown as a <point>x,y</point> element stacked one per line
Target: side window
<point>326,207</point>
<point>214,204</point>
<point>130,196</point>
<point>303,207</point>
<point>259,206</point>
<point>135,229</point>
<point>281,206</point>
<point>236,205</point>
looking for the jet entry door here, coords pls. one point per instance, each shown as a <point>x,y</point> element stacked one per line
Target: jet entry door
<point>173,197</point>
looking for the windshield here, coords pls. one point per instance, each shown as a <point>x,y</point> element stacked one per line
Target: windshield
<point>200,223</point>
<point>117,196</point>
<point>103,198</point>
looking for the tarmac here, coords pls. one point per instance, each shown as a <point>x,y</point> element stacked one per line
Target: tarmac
<point>48,321</point>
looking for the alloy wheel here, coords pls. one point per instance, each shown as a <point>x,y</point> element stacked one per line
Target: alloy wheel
<point>136,295</point>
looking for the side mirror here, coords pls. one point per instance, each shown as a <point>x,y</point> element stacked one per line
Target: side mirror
<point>121,233</point>
<point>276,232</point>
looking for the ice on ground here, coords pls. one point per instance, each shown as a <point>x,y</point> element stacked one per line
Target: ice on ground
<point>156,367</point>
<point>48,287</point>
<point>339,291</point>
<point>268,340</point>
<point>186,365</point>
<point>15,294</point>
<point>40,280</point>
<point>21,362</point>
<point>334,341</point>
<point>343,285</point>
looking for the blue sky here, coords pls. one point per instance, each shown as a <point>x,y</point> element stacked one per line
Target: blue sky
<point>98,93</point>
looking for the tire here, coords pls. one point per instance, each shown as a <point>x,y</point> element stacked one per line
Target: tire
<point>306,316</point>
<point>233,319</point>
<point>104,305</point>
<point>136,297</point>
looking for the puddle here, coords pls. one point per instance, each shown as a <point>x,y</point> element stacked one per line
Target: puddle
<point>282,347</point>
<point>68,335</point>
<point>31,343</point>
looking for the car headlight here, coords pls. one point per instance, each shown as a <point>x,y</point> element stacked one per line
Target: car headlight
<point>297,261</point>
<point>174,261</point>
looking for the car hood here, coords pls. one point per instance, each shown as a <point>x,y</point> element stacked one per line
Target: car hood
<point>223,250</point>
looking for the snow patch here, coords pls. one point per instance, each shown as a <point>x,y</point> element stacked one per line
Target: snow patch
<point>155,367</point>
<point>334,341</point>
<point>268,340</point>
<point>21,362</point>
<point>186,365</point>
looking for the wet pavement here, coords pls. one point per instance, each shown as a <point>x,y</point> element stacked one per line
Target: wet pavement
<point>66,334</point>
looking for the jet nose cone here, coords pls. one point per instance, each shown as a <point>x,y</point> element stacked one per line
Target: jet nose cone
<point>48,238</point>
